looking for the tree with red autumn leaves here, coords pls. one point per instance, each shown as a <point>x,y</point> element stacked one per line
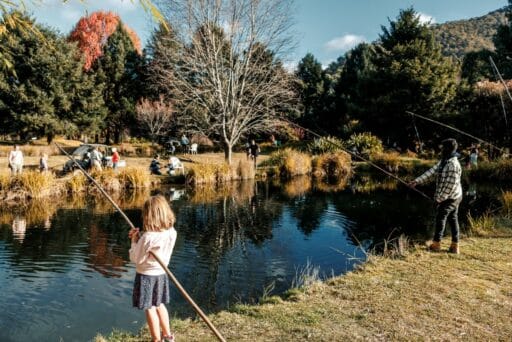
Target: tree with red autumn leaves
<point>92,32</point>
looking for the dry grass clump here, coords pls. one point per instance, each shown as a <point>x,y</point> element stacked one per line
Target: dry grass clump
<point>389,161</point>
<point>5,181</point>
<point>497,171</point>
<point>506,202</point>
<point>107,179</point>
<point>36,184</point>
<point>219,173</point>
<point>134,178</point>
<point>332,165</point>
<point>290,162</point>
<point>77,183</point>
<point>488,225</point>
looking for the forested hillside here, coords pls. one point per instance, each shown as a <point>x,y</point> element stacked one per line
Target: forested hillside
<point>462,36</point>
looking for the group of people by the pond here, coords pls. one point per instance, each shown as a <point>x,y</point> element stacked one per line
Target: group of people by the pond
<point>173,166</point>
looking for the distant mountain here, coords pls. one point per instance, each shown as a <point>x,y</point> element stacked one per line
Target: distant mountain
<point>462,36</point>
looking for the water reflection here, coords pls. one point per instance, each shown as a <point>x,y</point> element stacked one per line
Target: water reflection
<point>67,260</point>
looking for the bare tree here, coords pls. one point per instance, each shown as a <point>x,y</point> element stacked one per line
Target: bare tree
<point>226,75</point>
<point>155,116</point>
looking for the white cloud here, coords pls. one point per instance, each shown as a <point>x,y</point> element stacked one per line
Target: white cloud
<point>290,66</point>
<point>426,19</point>
<point>344,43</point>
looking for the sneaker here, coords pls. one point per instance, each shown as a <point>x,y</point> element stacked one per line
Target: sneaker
<point>168,338</point>
<point>435,246</point>
<point>454,248</point>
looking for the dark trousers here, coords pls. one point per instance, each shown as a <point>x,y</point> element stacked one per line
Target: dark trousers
<point>448,211</point>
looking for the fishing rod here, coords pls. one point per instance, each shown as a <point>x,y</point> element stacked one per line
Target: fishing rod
<point>363,159</point>
<point>457,130</point>
<point>169,273</point>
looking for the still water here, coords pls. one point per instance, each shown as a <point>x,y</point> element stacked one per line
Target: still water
<point>65,274</point>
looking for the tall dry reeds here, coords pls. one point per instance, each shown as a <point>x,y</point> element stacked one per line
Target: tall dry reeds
<point>336,165</point>
<point>134,178</point>
<point>215,173</point>
<point>506,202</point>
<point>77,183</point>
<point>37,184</point>
<point>290,163</point>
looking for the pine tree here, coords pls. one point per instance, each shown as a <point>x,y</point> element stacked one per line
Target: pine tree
<point>409,73</point>
<point>119,70</point>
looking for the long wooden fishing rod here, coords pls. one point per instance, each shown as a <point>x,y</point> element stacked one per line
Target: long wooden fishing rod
<point>363,159</point>
<point>457,130</point>
<point>169,273</point>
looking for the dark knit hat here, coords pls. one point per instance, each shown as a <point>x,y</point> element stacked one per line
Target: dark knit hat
<point>449,145</point>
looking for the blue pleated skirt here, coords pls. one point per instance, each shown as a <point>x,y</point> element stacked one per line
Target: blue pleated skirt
<point>150,291</point>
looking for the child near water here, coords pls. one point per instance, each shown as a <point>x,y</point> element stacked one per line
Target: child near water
<point>151,286</point>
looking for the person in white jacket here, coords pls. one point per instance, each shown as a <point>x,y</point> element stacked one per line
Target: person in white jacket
<point>151,285</point>
<point>16,160</point>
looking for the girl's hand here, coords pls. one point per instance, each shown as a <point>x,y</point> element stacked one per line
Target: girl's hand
<point>133,234</point>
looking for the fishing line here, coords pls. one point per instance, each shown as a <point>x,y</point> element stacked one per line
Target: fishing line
<point>458,131</point>
<point>361,158</point>
<point>498,76</point>
<point>169,273</point>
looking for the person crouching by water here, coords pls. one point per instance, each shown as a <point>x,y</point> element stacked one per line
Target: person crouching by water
<point>154,167</point>
<point>16,161</point>
<point>448,194</point>
<point>151,285</point>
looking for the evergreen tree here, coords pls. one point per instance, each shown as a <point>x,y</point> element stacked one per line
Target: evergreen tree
<point>119,69</point>
<point>409,74</point>
<point>312,89</point>
<point>48,92</point>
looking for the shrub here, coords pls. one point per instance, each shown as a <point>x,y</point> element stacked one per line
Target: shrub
<point>506,201</point>
<point>366,144</point>
<point>325,145</point>
<point>289,162</point>
<point>332,165</point>
<point>36,184</point>
<point>5,181</point>
<point>498,171</point>
<point>134,178</point>
<point>76,183</point>
<point>389,161</point>
<point>107,179</point>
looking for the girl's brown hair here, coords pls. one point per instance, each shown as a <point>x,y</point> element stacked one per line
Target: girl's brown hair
<point>157,214</point>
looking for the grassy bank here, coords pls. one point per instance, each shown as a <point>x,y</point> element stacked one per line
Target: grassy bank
<point>420,296</point>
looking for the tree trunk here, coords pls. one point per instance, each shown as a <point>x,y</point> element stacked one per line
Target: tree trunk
<point>228,151</point>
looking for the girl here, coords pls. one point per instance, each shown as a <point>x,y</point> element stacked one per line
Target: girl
<point>151,286</point>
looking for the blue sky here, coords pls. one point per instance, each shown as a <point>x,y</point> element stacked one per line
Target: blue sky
<point>326,28</point>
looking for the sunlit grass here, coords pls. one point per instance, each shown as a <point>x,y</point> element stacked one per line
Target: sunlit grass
<point>134,178</point>
<point>36,184</point>
<point>332,165</point>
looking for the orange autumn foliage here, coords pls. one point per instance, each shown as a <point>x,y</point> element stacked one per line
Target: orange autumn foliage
<point>92,32</point>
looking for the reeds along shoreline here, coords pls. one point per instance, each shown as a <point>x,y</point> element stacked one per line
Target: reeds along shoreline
<point>33,184</point>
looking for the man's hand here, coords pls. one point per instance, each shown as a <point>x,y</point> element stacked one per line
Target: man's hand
<point>413,184</point>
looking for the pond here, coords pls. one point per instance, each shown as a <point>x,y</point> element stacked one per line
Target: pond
<point>65,272</point>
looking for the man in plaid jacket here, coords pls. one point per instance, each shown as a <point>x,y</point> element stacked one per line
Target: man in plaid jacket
<point>448,194</point>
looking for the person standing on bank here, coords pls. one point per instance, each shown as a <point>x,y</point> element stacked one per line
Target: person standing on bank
<point>16,160</point>
<point>151,285</point>
<point>115,158</point>
<point>254,149</point>
<point>448,194</point>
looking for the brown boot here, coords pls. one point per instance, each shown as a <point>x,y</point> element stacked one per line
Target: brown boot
<point>454,248</point>
<point>435,246</point>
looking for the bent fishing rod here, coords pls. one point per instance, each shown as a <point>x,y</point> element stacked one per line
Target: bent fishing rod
<point>457,130</point>
<point>169,273</point>
<point>363,159</point>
